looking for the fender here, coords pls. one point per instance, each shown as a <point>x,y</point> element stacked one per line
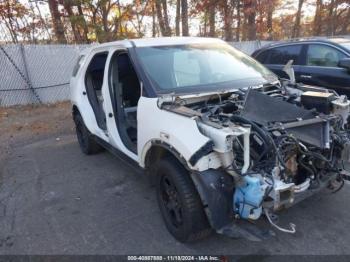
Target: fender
<point>176,130</point>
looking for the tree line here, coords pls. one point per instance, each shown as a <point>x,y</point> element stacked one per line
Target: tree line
<point>86,21</point>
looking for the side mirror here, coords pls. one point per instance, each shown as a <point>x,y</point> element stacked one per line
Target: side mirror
<point>345,63</point>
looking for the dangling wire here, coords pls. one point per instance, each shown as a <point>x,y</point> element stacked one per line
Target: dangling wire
<point>290,231</point>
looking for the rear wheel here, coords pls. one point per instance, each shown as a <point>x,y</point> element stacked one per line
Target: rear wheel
<point>86,141</point>
<point>179,202</point>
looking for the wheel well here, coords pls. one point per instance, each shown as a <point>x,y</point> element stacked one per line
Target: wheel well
<point>154,154</point>
<point>159,151</point>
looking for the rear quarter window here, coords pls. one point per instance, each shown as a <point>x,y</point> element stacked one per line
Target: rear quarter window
<point>78,65</point>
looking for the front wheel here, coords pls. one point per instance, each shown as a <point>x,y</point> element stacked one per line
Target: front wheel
<point>179,202</point>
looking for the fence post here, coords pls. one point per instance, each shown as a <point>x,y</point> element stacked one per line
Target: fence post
<point>26,74</point>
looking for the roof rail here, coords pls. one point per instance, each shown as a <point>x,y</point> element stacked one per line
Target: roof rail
<point>306,38</point>
<point>317,38</point>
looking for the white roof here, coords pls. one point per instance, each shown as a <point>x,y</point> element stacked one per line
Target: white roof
<point>161,41</point>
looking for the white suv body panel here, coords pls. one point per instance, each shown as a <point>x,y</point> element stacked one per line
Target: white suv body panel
<point>177,131</point>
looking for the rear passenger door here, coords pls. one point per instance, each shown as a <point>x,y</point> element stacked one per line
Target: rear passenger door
<point>320,68</point>
<point>94,82</point>
<point>276,58</point>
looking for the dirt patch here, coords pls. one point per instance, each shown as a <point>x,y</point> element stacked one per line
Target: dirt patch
<point>22,124</point>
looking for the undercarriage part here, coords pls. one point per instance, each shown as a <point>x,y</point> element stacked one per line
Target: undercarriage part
<point>292,229</point>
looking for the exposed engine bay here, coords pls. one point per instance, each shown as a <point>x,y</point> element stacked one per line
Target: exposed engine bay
<point>276,141</point>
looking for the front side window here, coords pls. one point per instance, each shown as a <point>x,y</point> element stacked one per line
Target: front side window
<point>197,65</point>
<point>281,55</point>
<point>323,55</point>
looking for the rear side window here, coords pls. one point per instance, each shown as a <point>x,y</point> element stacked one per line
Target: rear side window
<point>281,55</point>
<point>323,55</point>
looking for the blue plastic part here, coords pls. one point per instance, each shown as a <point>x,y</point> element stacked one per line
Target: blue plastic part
<point>248,198</point>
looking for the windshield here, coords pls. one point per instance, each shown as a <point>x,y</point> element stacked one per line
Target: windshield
<point>184,68</point>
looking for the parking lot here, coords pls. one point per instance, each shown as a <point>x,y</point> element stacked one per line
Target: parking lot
<point>55,200</point>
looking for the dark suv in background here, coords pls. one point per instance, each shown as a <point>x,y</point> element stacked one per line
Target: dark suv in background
<point>320,62</point>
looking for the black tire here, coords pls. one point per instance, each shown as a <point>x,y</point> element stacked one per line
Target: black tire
<point>179,202</point>
<point>87,143</point>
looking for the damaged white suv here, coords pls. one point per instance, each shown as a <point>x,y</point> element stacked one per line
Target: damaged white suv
<point>220,136</point>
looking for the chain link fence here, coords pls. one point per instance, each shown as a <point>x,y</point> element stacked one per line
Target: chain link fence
<point>31,74</point>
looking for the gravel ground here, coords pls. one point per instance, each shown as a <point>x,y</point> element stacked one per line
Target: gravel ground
<point>55,200</point>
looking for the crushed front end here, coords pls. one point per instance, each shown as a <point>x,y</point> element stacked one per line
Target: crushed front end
<point>279,144</point>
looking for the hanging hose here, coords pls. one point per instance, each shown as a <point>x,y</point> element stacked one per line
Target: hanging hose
<point>290,231</point>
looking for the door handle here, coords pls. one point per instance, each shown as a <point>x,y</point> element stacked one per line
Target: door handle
<point>306,76</point>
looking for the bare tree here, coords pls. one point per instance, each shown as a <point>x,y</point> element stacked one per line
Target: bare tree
<point>83,21</point>
<point>9,20</point>
<point>177,17</point>
<point>211,13</point>
<point>238,18</point>
<point>162,15</point>
<point>331,11</point>
<point>42,20</point>
<point>317,26</point>
<point>184,17</point>
<point>56,22</point>
<point>269,24</point>
<point>153,20</point>
<point>166,18</point>
<point>346,25</point>
<point>296,29</point>
<point>249,7</point>
<point>71,16</point>
<point>228,19</point>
